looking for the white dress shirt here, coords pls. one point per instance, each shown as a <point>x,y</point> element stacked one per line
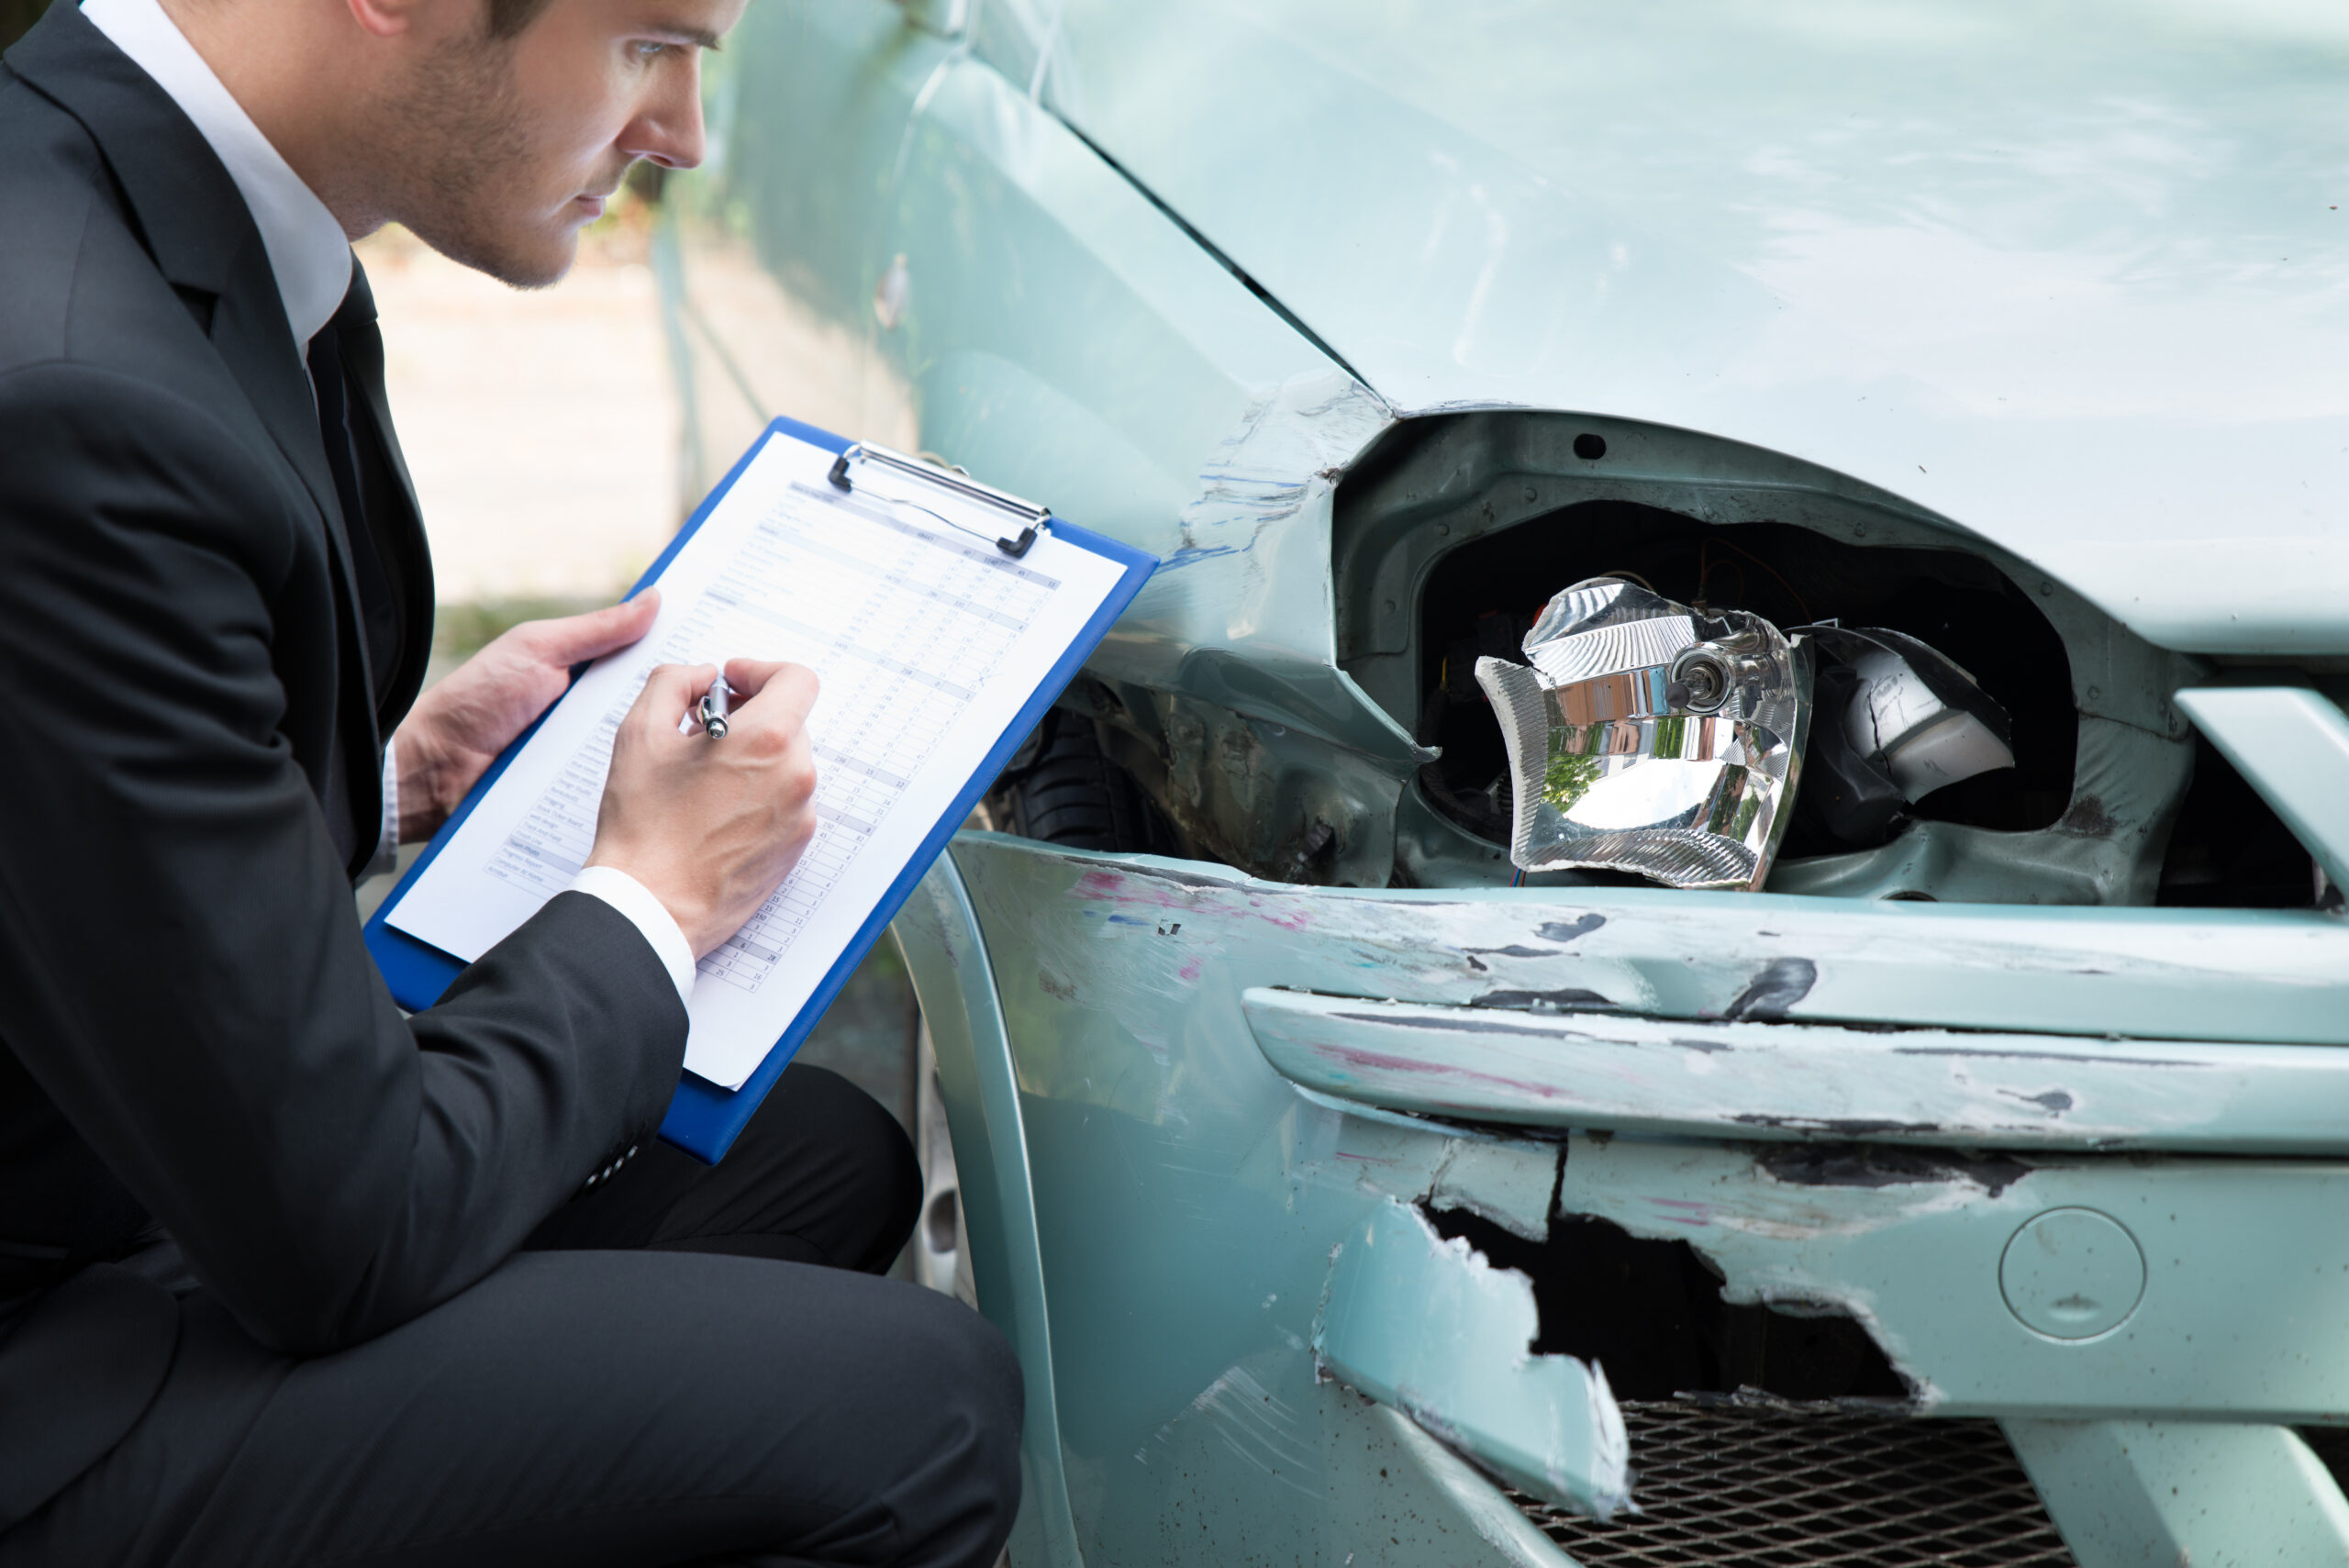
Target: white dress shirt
<point>308,248</point>
<point>310,256</point>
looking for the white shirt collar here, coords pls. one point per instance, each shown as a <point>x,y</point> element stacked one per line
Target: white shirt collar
<point>307,249</point>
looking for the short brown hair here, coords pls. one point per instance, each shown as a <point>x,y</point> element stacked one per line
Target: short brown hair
<point>508,17</point>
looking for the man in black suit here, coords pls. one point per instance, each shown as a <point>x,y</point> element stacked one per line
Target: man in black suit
<point>286,1277</point>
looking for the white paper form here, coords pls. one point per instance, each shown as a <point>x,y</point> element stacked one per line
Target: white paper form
<point>927,641</point>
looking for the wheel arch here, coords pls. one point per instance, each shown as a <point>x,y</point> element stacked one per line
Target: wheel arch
<point>938,934</point>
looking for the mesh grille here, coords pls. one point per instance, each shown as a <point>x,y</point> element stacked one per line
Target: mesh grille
<point>1799,1488</point>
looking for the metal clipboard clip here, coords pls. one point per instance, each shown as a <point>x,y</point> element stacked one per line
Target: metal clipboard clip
<point>1027,515</point>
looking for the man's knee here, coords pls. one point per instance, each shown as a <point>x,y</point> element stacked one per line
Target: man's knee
<point>963,1487</point>
<point>871,1155</point>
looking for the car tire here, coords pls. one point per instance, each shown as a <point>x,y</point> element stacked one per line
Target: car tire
<point>1061,788</point>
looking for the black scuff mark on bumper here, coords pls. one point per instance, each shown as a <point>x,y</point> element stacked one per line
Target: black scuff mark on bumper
<point>1817,1165</point>
<point>1783,983</point>
<point>1567,930</point>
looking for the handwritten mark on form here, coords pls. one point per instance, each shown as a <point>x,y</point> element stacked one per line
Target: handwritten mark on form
<point>927,641</point>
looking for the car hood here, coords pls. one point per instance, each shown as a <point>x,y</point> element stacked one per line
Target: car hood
<point>2076,278</point>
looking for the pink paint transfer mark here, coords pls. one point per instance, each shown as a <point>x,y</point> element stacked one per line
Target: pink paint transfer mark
<point>1106,885</point>
<point>1386,1062</point>
<point>1115,887</point>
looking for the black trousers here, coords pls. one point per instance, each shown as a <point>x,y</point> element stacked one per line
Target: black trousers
<point>689,1365</point>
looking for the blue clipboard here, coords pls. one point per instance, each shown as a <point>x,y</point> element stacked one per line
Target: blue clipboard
<point>705,1120</point>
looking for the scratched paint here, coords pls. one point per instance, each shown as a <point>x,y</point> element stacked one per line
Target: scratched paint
<point>1508,1181</point>
<point>1232,617</point>
<point>1593,1070</point>
<point>1259,1428</point>
<point>1187,1200</point>
<point>2278,977</point>
<point>1286,453</point>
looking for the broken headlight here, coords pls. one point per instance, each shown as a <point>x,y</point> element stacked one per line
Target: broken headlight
<point>1897,719</point>
<point>1650,736</point>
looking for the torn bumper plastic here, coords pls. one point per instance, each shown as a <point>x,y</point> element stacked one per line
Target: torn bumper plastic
<point>1430,1326</point>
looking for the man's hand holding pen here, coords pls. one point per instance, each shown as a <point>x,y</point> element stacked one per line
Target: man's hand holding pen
<point>711,831</point>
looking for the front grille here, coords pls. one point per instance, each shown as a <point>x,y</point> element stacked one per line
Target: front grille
<point>1787,1487</point>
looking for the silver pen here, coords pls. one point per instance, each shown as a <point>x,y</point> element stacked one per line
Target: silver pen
<point>711,709</point>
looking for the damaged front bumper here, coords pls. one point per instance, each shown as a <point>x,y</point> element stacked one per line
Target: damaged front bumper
<point>1290,1149</point>
<point>1431,1327</point>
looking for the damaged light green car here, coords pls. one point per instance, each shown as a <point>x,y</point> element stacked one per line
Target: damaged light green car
<point>1370,1168</point>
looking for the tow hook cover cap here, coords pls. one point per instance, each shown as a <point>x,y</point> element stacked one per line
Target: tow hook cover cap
<point>2072,1273</point>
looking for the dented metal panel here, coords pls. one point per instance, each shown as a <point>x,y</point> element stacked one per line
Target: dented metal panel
<point>1187,1201</point>
<point>1593,1070</point>
<point>1212,435</point>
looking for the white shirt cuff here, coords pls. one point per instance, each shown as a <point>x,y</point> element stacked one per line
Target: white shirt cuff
<point>648,914</point>
<point>388,832</point>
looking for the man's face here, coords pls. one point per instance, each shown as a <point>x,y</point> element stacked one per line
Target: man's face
<point>502,150</point>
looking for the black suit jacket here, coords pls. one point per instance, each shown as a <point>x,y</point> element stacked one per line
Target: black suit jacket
<point>192,1040</point>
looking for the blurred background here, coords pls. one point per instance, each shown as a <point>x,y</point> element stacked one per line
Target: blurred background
<point>541,428</point>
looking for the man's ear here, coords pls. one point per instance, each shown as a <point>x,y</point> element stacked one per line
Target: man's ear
<point>386,18</point>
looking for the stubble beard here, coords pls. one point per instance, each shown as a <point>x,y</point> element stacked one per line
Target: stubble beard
<point>458,147</point>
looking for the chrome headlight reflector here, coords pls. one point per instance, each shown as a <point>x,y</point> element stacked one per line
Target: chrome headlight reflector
<point>1648,736</point>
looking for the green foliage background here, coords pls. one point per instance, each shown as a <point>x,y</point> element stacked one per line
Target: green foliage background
<point>16,16</point>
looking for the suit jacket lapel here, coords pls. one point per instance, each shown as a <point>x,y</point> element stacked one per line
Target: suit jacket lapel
<point>196,225</point>
<point>203,237</point>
